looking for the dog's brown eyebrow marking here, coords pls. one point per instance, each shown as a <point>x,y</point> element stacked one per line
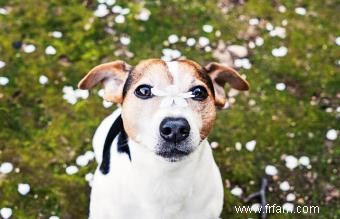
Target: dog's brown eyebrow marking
<point>137,72</point>
<point>201,74</point>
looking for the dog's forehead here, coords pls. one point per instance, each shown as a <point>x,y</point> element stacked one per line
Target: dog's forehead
<point>157,72</point>
<point>184,71</point>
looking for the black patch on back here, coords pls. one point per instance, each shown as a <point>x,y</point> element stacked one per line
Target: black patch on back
<point>122,145</point>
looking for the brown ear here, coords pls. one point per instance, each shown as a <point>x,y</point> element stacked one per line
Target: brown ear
<point>113,75</point>
<point>220,75</point>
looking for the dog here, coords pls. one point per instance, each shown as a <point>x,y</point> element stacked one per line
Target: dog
<point>154,158</point>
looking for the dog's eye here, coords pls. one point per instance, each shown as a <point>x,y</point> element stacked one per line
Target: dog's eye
<point>143,91</point>
<point>199,92</point>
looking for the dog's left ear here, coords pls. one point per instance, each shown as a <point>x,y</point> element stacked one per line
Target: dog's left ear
<point>220,75</point>
<point>113,76</point>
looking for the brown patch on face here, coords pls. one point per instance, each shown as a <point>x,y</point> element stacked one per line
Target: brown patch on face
<point>207,111</point>
<point>206,108</point>
<point>200,74</point>
<point>153,65</point>
<point>137,111</point>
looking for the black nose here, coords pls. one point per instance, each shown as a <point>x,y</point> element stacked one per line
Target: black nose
<point>174,129</point>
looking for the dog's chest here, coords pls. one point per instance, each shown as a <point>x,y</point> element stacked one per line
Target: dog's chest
<point>136,193</point>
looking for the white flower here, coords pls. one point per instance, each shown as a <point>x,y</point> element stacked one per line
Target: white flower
<point>233,92</point>
<point>101,92</point>
<point>84,94</point>
<point>284,186</point>
<point>291,162</point>
<point>271,170</point>
<point>288,207</point>
<point>28,48</point>
<point>203,41</point>
<point>125,11</point>
<point>89,177</point>
<point>332,134</point>
<point>238,146</point>
<point>280,52</point>
<point>237,191</point>
<point>90,155</point>
<point>207,28</point>
<point>107,104</point>
<point>50,50</point>
<point>337,41</point>
<point>125,40</point>
<point>238,50</point>
<point>3,81</point>
<point>290,197</point>
<point>53,217</point>
<point>43,79</point>
<point>70,170</point>
<point>24,188</point>
<point>173,38</point>
<point>300,10</point>
<point>82,161</point>
<point>254,21</point>
<point>101,11</point>
<point>244,63</point>
<point>6,212</point>
<point>280,86</point>
<point>250,145</point>
<point>143,15</point>
<point>57,34</point>
<point>6,167</point>
<point>214,144</point>
<point>2,64</point>
<point>279,32</point>
<point>191,42</point>
<point>282,9</point>
<point>3,11</point>
<point>269,26</point>
<point>251,45</point>
<point>304,160</point>
<point>207,49</point>
<point>259,41</point>
<point>120,19</point>
<point>170,54</point>
<point>117,9</point>
<point>110,2</point>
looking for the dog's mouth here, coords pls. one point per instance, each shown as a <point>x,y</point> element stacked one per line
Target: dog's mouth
<point>173,154</point>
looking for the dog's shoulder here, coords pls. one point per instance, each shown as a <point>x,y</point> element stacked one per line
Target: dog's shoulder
<point>102,132</point>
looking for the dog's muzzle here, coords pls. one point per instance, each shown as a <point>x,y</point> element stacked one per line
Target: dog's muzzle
<point>174,132</point>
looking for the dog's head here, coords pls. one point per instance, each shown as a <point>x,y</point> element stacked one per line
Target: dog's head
<point>168,107</point>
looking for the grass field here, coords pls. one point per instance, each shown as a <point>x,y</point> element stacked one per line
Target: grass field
<point>291,109</point>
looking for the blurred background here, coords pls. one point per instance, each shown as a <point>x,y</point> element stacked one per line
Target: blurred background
<point>285,128</point>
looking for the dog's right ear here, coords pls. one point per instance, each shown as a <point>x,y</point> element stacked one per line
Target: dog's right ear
<point>113,76</point>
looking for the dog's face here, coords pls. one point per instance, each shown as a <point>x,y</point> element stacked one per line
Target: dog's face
<point>168,107</point>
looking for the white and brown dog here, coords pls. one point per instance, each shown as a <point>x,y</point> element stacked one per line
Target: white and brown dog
<point>154,158</point>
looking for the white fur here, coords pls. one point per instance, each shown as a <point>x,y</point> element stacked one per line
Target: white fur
<point>152,188</point>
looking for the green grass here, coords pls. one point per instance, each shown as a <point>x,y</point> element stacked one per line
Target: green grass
<point>40,133</point>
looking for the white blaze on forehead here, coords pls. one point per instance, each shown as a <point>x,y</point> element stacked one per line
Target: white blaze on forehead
<point>173,69</point>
